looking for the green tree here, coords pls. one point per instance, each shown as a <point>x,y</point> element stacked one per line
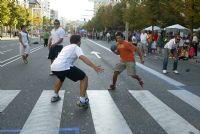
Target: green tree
<point>12,6</point>
<point>4,14</point>
<point>190,11</point>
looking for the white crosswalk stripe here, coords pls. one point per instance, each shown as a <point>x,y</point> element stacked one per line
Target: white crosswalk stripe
<point>187,97</point>
<point>6,96</point>
<point>164,115</point>
<point>45,117</point>
<point>106,116</point>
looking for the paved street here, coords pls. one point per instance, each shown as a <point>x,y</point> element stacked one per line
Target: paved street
<point>168,104</point>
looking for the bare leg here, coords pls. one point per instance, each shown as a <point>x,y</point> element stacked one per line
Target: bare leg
<point>139,79</point>
<point>57,86</point>
<point>83,86</point>
<point>114,80</point>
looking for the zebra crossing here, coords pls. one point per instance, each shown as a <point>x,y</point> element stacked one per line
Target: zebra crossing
<point>45,117</point>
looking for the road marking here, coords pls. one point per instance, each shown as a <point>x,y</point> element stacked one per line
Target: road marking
<point>96,54</point>
<point>7,50</point>
<point>6,96</point>
<point>164,77</point>
<point>168,119</point>
<point>100,45</point>
<point>9,59</point>
<point>106,116</point>
<point>31,51</point>
<point>74,130</point>
<point>45,116</point>
<point>187,97</point>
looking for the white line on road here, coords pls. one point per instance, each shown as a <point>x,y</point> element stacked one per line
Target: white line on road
<point>8,50</point>
<point>187,97</point>
<point>9,58</point>
<point>106,116</point>
<point>6,96</point>
<point>19,55</point>
<point>164,77</point>
<point>32,50</point>
<point>96,54</point>
<point>168,119</point>
<point>100,45</point>
<point>46,116</point>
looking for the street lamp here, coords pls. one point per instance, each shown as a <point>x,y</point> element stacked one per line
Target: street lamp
<point>126,24</point>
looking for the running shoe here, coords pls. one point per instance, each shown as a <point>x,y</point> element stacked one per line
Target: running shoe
<point>83,104</point>
<point>55,99</point>
<point>112,87</point>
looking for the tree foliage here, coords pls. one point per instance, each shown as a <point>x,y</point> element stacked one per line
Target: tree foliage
<point>14,15</point>
<point>143,13</point>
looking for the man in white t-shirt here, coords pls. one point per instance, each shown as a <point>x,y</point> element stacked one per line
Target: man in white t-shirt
<point>108,37</point>
<point>24,44</point>
<point>63,67</point>
<point>143,41</point>
<point>55,41</point>
<point>170,48</point>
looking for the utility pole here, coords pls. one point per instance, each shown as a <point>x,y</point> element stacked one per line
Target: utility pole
<point>126,24</point>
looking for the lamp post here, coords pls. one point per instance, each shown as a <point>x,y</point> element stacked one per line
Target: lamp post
<point>126,24</point>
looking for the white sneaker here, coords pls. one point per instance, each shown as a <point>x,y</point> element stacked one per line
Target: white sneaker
<point>175,71</point>
<point>164,71</point>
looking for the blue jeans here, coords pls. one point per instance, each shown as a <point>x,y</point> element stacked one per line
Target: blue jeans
<point>166,56</point>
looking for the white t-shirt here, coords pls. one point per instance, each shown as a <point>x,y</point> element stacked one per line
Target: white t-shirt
<point>24,37</point>
<point>143,38</point>
<point>56,34</point>
<point>172,44</point>
<point>195,39</point>
<point>66,58</point>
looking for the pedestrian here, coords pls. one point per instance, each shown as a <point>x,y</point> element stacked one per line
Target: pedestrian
<point>160,42</point>
<point>195,42</point>
<point>144,43</point>
<point>46,38</point>
<point>154,46</point>
<point>108,37</point>
<point>191,51</point>
<point>170,48</point>
<point>149,41</point>
<point>24,46</point>
<point>126,52</point>
<point>55,41</point>
<point>63,67</point>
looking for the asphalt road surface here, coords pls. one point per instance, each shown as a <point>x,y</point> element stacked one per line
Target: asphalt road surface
<point>168,104</point>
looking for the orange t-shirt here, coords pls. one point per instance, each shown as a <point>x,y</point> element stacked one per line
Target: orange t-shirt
<point>126,51</point>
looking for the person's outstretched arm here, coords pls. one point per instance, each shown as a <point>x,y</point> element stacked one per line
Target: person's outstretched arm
<point>89,63</point>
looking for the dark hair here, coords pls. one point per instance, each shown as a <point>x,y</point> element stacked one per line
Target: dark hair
<point>119,34</point>
<point>23,26</point>
<point>56,20</point>
<point>74,39</point>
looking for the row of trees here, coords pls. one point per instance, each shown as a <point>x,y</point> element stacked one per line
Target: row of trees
<point>142,13</point>
<point>13,15</point>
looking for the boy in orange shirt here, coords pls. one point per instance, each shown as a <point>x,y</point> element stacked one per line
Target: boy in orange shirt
<point>126,51</point>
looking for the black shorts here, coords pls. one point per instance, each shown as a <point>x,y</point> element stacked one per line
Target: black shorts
<point>73,74</point>
<point>53,52</point>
